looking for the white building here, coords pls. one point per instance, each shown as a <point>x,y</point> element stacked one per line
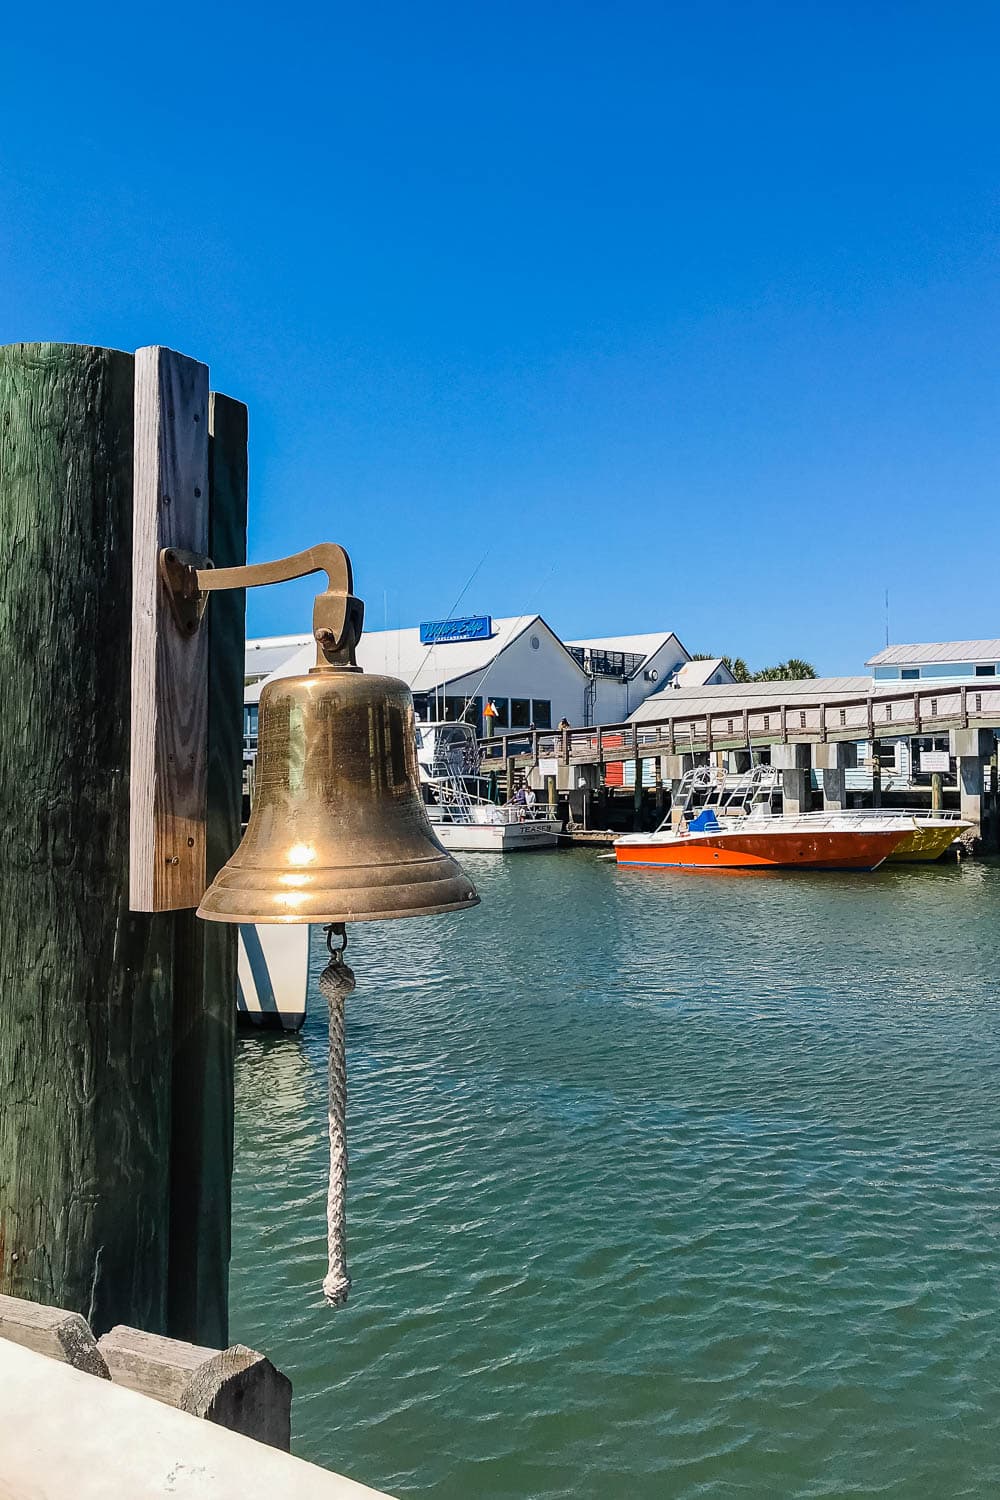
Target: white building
<point>453,668</point>
<point>625,669</point>
<point>936,659</point>
<point>518,663</point>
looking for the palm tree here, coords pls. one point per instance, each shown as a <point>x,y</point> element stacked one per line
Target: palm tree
<point>798,669</point>
<point>792,670</point>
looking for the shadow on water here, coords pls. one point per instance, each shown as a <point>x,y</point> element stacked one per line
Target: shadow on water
<point>661,1185</point>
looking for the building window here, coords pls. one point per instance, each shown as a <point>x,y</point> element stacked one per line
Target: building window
<point>909,673</point>
<point>843,716</point>
<point>502,719</point>
<point>520,713</point>
<point>767,722</point>
<point>469,710</point>
<point>990,671</point>
<point>802,718</point>
<point>541,713</point>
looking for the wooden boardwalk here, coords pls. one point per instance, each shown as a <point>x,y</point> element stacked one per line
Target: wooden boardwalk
<point>924,711</point>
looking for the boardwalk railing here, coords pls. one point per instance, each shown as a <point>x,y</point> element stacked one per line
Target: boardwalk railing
<point>882,716</point>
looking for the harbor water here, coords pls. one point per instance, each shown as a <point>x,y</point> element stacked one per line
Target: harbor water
<point>662,1185</point>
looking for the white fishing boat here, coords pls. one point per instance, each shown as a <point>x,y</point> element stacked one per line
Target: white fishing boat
<point>459,807</point>
<point>273,974</point>
<point>729,822</point>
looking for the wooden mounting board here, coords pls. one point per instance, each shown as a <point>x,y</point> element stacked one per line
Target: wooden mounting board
<point>169,672</point>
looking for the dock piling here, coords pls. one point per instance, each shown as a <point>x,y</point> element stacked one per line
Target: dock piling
<point>108,1161</point>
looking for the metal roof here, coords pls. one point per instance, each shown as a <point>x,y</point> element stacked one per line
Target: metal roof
<point>696,672</point>
<point>400,653</point>
<point>670,702</point>
<point>638,645</point>
<point>644,646</point>
<point>262,656</point>
<point>936,651</point>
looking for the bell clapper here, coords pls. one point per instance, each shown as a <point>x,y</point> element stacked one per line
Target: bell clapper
<point>335,983</point>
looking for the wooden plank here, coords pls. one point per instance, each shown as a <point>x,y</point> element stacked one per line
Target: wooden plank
<point>86,985</point>
<point>169,670</point>
<point>236,1387</point>
<point>52,1331</point>
<point>150,1363</point>
<point>201,1156</point>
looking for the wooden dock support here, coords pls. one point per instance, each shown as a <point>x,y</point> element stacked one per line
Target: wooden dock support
<point>236,1388</point>
<point>103,1174</point>
<point>52,1331</point>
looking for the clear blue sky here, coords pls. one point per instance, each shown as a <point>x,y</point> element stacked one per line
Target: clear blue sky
<point>687,313</point>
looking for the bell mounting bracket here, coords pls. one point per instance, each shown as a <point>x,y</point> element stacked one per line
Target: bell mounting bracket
<point>179,571</point>
<point>338,615</point>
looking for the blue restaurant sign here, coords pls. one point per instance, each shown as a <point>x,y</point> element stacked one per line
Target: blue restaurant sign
<point>439,632</point>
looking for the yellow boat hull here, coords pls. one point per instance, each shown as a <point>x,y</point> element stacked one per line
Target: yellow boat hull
<point>925,843</point>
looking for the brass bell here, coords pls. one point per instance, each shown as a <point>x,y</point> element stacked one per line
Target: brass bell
<point>338,831</point>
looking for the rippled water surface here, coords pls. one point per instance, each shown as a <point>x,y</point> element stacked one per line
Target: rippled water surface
<point>662,1185</point>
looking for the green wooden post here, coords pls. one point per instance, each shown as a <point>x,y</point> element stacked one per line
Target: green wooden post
<point>205,990</point>
<point>88,1028</point>
<point>85,985</point>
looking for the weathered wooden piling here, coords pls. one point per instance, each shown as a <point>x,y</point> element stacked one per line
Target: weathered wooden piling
<point>114,1160</point>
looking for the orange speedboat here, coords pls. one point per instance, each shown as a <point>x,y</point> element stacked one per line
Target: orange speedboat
<point>760,844</point>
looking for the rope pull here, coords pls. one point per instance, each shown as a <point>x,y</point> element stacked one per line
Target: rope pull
<point>335,983</point>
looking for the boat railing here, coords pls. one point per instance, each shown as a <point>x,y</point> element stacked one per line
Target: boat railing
<point>918,814</point>
<point>538,812</point>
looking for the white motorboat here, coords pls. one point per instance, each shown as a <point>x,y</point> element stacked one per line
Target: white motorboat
<point>728,822</point>
<point>459,807</point>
